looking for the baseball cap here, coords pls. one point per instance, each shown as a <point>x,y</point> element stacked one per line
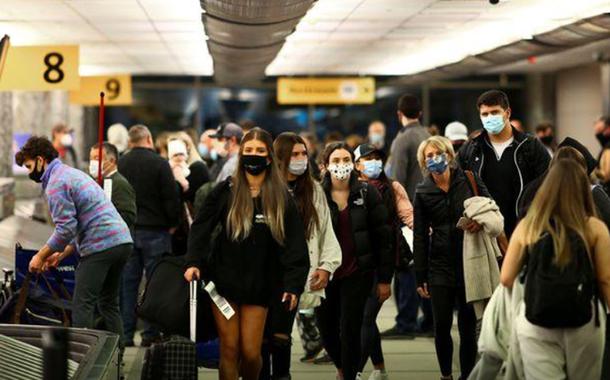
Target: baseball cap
<point>364,150</point>
<point>228,130</point>
<point>455,131</point>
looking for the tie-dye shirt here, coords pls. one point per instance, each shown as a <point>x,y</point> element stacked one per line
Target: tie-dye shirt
<point>81,212</point>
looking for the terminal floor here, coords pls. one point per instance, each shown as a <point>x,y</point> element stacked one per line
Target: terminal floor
<point>405,359</point>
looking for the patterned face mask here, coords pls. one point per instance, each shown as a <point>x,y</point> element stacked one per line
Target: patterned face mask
<point>341,172</point>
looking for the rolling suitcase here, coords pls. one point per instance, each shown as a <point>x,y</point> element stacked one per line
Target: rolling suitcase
<point>176,357</point>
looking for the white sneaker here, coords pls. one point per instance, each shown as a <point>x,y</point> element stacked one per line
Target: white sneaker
<point>377,374</point>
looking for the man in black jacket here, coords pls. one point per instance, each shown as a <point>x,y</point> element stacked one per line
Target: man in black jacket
<point>504,158</point>
<point>158,204</point>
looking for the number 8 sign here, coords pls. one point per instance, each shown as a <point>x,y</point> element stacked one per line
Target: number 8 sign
<point>41,68</point>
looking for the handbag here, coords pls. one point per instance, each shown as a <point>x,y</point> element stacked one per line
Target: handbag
<point>501,239</point>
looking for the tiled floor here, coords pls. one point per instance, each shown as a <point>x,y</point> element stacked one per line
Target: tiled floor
<point>405,360</point>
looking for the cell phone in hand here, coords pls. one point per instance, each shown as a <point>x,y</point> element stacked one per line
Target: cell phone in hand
<point>463,222</point>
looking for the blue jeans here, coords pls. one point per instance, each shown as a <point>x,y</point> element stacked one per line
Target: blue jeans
<point>408,302</point>
<point>149,247</point>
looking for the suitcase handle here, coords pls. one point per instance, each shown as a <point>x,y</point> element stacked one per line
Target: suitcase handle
<point>193,309</point>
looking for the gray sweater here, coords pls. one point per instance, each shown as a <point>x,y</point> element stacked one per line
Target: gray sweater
<point>403,161</point>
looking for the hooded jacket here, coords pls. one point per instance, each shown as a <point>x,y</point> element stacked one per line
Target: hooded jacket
<point>247,271</point>
<point>369,220</point>
<point>481,251</point>
<point>438,254</point>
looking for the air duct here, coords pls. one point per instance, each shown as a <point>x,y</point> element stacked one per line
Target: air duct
<point>580,33</point>
<point>246,35</point>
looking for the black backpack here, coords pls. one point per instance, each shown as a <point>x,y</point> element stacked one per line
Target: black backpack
<point>559,297</point>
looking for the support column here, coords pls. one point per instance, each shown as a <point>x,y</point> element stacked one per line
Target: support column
<point>311,122</point>
<point>6,134</point>
<point>425,99</point>
<point>605,86</point>
<point>540,100</point>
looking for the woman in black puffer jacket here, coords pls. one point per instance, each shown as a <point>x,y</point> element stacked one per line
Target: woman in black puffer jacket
<point>438,205</point>
<point>360,221</point>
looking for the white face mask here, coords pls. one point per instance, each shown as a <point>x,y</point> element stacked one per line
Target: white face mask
<point>341,172</point>
<point>298,167</point>
<point>66,140</point>
<point>93,168</point>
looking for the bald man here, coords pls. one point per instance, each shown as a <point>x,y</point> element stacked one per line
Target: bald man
<point>377,134</point>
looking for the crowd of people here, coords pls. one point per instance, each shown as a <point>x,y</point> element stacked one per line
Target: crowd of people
<point>508,228</point>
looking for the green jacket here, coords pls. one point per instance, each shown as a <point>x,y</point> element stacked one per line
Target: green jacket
<point>124,199</point>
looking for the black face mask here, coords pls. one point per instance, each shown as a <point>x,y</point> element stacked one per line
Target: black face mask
<point>36,174</point>
<point>546,140</point>
<point>602,138</point>
<point>254,164</point>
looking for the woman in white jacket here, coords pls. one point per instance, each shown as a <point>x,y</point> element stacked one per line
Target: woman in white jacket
<point>324,251</point>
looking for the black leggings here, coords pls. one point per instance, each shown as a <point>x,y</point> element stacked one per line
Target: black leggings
<point>371,340</point>
<point>340,321</point>
<point>444,299</point>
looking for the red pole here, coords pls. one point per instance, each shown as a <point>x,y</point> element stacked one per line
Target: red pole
<point>100,136</point>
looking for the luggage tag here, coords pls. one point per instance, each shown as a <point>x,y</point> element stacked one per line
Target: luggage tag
<point>221,303</point>
<point>108,188</point>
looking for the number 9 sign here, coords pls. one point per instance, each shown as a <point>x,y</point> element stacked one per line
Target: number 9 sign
<point>116,87</point>
<point>113,88</point>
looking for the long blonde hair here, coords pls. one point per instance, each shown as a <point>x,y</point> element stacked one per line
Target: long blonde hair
<point>273,195</point>
<point>562,204</point>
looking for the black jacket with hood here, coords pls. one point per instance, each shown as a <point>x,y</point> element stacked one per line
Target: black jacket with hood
<point>372,233</point>
<point>437,242</point>
<point>247,271</point>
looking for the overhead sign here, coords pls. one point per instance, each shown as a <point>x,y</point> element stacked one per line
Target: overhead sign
<point>41,68</point>
<point>325,90</point>
<point>117,90</point>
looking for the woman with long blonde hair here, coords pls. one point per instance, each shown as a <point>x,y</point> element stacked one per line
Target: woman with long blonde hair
<point>561,239</point>
<point>259,246</point>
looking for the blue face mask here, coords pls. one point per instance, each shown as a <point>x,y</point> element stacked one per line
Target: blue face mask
<point>207,153</point>
<point>372,168</point>
<point>437,164</point>
<point>203,150</point>
<point>493,124</point>
<point>377,139</point>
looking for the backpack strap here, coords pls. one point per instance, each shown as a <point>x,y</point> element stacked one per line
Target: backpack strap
<point>473,183</point>
<point>21,300</point>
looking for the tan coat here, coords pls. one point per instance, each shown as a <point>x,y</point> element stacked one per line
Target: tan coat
<point>481,251</point>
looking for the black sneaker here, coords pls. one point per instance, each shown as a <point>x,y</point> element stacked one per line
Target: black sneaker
<point>311,355</point>
<point>394,333</point>
<point>323,360</point>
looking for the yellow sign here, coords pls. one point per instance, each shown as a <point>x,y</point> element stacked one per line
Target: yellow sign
<point>41,68</point>
<point>325,90</point>
<point>116,88</point>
